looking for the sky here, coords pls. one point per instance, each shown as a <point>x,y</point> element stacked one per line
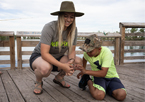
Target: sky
<point>100,15</point>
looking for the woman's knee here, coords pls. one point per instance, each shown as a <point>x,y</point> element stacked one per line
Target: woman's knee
<point>78,60</point>
<point>45,69</point>
<point>99,95</point>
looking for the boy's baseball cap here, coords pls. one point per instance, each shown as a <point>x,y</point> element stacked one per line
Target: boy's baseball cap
<point>91,42</point>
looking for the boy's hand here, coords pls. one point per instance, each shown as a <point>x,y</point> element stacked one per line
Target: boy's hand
<point>80,74</point>
<point>81,68</point>
<point>78,67</point>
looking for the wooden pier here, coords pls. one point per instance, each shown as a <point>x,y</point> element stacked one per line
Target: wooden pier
<point>17,82</point>
<point>17,86</point>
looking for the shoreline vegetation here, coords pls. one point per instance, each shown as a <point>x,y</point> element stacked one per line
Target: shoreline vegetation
<point>127,30</point>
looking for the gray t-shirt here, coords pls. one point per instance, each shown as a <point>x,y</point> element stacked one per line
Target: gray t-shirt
<point>49,36</point>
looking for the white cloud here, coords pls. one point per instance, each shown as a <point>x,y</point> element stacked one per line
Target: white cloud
<point>99,14</point>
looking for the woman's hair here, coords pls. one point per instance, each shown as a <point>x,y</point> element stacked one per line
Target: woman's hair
<point>70,30</point>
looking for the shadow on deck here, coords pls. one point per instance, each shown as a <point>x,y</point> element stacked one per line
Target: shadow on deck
<point>17,86</point>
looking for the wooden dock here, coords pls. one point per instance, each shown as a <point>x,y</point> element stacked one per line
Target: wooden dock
<point>17,86</point>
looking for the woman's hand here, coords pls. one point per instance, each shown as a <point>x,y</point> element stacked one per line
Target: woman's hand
<point>68,68</point>
<point>72,62</point>
<point>71,65</point>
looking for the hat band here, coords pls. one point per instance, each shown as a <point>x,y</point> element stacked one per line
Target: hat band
<point>67,11</point>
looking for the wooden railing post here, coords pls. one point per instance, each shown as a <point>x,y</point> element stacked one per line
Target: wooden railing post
<point>21,43</point>
<point>131,42</point>
<point>116,51</point>
<point>11,44</point>
<point>19,52</point>
<point>12,51</point>
<point>122,32</point>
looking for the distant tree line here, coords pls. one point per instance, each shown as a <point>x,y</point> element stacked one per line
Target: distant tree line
<point>4,38</point>
<point>31,37</point>
<point>127,30</point>
<point>135,30</point>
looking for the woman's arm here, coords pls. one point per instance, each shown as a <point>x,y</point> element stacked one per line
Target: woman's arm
<point>73,53</point>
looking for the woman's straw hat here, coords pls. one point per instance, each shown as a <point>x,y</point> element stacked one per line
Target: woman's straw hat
<point>68,6</point>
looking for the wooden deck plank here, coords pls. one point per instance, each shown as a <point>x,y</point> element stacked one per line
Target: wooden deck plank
<point>17,86</point>
<point>135,92</point>
<point>130,78</point>
<point>30,82</point>
<point>21,83</point>
<point>75,90</point>
<point>137,72</point>
<point>58,96</point>
<point>86,95</point>
<point>11,89</point>
<point>74,81</point>
<point>135,67</point>
<point>126,81</point>
<point>3,95</point>
<point>107,97</point>
<point>67,92</point>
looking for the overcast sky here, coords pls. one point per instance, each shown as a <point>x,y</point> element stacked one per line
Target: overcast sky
<point>100,15</point>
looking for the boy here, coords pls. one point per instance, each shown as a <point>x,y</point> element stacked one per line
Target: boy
<point>104,76</point>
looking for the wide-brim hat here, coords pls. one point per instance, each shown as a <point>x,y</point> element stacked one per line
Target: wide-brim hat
<point>68,6</point>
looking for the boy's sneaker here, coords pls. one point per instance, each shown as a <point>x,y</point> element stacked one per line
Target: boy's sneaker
<point>83,82</point>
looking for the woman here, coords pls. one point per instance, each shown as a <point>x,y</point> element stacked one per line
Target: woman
<point>57,37</point>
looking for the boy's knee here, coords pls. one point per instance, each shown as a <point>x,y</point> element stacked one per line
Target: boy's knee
<point>121,95</point>
<point>99,95</point>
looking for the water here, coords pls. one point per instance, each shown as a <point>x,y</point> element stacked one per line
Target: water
<point>7,57</point>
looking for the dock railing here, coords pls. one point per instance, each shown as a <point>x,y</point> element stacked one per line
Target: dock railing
<point>8,43</point>
<point>108,40</point>
<point>119,41</point>
<point>25,43</point>
<point>131,42</point>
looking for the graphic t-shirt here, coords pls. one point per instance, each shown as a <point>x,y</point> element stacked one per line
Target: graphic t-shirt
<point>104,59</point>
<point>49,36</point>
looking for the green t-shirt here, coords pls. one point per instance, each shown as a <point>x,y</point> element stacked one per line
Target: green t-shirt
<point>104,59</point>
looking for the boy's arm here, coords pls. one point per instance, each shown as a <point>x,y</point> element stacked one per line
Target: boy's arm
<point>78,67</point>
<point>84,63</point>
<point>100,73</point>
